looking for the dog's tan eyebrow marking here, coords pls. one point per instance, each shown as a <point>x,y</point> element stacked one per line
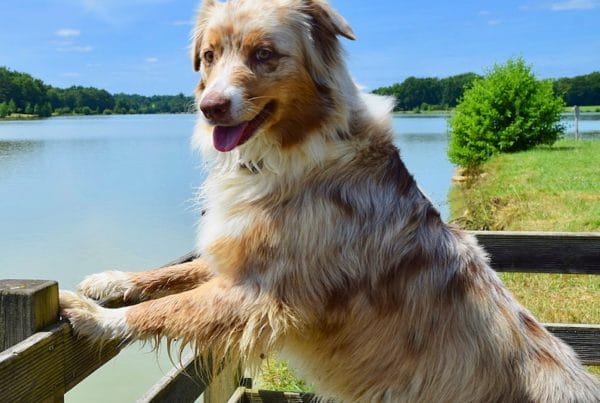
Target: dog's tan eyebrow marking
<point>257,38</point>
<point>213,38</point>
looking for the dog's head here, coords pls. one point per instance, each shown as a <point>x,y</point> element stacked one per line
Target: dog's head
<point>267,68</point>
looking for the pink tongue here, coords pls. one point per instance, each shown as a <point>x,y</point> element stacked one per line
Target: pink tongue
<point>226,138</point>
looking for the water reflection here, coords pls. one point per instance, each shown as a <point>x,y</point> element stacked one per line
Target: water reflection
<point>10,148</point>
<point>423,144</point>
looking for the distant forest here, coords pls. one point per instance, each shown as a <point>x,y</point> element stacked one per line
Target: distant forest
<point>20,93</point>
<point>418,94</point>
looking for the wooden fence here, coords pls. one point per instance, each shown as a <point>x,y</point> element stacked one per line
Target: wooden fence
<point>42,360</point>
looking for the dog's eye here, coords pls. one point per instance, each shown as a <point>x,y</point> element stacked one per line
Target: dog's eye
<point>209,56</point>
<point>263,55</point>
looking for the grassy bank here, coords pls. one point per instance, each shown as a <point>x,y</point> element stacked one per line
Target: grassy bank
<point>444,112</point>
<point>584,109</point>
<point>546,189</point>
<point>20,116</point>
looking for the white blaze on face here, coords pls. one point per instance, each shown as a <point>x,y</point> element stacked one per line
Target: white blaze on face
<point>222,85</point>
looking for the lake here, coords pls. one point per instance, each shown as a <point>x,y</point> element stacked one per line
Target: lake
<point>79,195</point>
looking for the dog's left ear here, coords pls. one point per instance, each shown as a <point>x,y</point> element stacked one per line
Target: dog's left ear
<point>325,16</point>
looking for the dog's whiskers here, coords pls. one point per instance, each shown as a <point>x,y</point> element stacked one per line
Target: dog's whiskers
<point>258,97</point>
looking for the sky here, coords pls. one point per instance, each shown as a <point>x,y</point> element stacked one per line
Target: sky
<point>141,46</point>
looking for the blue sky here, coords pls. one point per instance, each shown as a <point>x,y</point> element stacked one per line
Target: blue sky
<point>141,46</point>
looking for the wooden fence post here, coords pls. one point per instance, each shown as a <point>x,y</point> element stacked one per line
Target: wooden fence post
<point>576,110</point>
<point>26,307</point>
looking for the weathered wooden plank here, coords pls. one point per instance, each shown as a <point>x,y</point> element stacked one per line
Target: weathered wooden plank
<point>187,381</point>
<point>238,395</point>
<point>181,384</point>
<point>542,252</point>
<point>584,339</point>
<point>26,306</point>
<point>23,374</point>
<point>224,384</point>
<point>48,364</point>
<point>268,396</point>
<point>531,252</point>
<point>81,357</point>
<point>188,257</point>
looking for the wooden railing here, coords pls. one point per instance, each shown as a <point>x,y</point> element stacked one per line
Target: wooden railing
<point>42,360</point>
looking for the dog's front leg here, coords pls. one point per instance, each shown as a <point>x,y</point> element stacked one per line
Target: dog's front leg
<point>118,287</point>
<point>215,316</point>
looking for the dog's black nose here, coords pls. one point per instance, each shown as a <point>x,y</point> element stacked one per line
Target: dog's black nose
<point>216,107</point>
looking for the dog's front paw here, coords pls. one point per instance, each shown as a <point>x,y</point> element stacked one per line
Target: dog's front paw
<point>109,286</point>
<point>91,320</point>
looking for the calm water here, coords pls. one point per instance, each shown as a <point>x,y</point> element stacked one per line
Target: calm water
<point>82,195</point>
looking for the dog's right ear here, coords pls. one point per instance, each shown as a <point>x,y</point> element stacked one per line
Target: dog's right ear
<point>328,18</point>
<point>198,32</point>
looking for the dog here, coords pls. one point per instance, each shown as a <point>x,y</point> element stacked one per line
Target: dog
<point>316,241</point>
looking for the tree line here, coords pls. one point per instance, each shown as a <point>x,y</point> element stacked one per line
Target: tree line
<point>20,93</point>
<point>430,93</point>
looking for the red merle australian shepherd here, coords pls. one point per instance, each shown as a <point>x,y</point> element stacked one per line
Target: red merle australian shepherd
<point>317,243</point>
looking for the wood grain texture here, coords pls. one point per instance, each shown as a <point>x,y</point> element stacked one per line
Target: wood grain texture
<point>542,252</point>
<point>584,339</point>
<point>26,306</point>
<point>267,396</point>
<point>48,364</point>
<point>180,384</point>
<point>186,382</point>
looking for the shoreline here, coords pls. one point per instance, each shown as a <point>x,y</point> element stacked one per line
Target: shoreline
<point>568,111</point>
<point>35,117</point>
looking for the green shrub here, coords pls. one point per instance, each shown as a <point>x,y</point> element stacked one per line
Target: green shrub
<point>508,110</point>
<point>65,110</point>
<point>3,110</point>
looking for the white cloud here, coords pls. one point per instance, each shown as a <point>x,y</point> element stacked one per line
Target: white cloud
<point>575,5</point>
<point>67,33</point>
<point>152,60</point>
<point>67,42</point>
<point>115,11</point>
<point>488,17</point>
<point>75,49</point>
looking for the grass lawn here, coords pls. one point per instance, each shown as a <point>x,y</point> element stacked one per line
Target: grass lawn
<point>276,375</point>
<point>546,189</point>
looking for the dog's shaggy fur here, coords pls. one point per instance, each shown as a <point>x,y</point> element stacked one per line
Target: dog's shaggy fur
<point>318,243</point>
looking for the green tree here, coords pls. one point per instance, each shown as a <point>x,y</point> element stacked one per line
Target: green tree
<point>45,110</point>
<point>508,110</point>
<point>580,90</point>
<point>454,87</point>
<point>12,107</point>
<point>428,93</point>
<point>3,110</point>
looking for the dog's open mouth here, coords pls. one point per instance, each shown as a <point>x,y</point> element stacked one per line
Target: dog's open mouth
<point>226,138</point>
